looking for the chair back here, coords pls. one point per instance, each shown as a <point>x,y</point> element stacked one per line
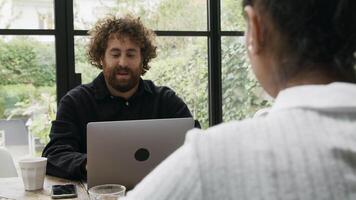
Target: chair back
<point>7,168</point>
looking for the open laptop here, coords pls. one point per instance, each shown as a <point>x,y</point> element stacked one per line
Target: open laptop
<point>124,152</point>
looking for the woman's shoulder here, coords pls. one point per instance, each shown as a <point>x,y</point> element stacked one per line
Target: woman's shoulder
<point>228,130</point>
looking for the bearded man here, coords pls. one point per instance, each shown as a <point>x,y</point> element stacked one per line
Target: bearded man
<point>122,49</point>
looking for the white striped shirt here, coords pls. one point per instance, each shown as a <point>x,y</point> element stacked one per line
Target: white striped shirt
<point>303,149</point>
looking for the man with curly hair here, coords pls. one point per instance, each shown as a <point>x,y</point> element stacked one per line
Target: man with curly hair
<point>122,48</point>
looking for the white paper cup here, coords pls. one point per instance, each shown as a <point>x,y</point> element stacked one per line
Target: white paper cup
<point>33,171</point>
<point>107,192</point>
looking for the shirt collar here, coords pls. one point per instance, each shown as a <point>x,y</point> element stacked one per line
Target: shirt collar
<point>335,97</point>
<point>101,91</point>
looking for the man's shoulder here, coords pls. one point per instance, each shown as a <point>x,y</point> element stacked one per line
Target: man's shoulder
<point>246,130</point>
<point>157,89</point>
<point>228,128</point>
<point>80,91</point>
<point>254,132</point>
<point>87,89</point>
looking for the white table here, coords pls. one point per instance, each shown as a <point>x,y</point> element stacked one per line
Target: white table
<point>13,188</point>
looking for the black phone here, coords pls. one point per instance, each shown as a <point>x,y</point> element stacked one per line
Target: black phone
<point>64,191</point>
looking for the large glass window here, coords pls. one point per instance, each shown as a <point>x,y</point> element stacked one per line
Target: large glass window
<point>182,65</point>
<point>82,66</point>
<point>26,14</point>
<point>27,74</point>
<point>27,92</point>
<point>232,16</point>
<point>28,56</point>
<point>179,15</point>
<point>242,96</point>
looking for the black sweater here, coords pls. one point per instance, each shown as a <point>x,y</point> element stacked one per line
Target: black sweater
<point>66,151</point>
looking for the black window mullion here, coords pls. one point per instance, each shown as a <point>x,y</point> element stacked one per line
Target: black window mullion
<point>61,46</point>
<point>74,79</point>
<point>65,69</point>
<point>214,63</point>
<point>160,33</point>
<point>26,32</point>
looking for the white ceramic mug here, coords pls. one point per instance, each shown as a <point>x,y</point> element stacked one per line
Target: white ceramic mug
<point>33,171</point>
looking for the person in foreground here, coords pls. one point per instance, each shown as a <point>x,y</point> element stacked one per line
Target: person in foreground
<point>303,54</point>
<point>122,48</point>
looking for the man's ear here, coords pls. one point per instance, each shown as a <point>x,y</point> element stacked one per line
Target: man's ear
<point>254,35</point>
<point>142,70</point>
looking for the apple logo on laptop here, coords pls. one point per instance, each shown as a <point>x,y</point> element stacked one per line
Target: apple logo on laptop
<point>142,154</point>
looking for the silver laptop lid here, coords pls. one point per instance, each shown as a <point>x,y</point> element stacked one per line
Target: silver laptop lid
<point>124,152</point>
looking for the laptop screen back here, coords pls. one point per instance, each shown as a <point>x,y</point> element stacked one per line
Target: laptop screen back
<point>123,152</point>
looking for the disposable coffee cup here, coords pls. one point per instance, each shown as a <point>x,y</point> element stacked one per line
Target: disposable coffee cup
<point>33,171</point>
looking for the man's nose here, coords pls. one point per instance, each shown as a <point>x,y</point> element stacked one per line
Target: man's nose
<point>123,61</point>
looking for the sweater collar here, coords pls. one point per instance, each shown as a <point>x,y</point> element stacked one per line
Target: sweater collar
<point>335,97</point>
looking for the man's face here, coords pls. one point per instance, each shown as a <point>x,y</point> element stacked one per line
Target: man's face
<point>122,64</point>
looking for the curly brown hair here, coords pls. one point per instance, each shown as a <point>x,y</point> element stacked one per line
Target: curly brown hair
<point>127,26</point>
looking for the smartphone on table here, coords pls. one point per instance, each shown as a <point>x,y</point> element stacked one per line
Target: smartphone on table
<point>64,191</point>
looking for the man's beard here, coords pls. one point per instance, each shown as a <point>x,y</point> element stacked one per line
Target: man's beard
<point>123,85</point>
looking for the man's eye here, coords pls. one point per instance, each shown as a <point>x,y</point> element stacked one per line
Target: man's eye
<point>115,55</point>
<point>131,55</point>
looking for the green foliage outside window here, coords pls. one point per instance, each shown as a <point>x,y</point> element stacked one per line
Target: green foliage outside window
<point>25,61</point>
<point>242,96</point>
<point>40,108</point>
<point>27,73</point>
<point>182,66</point>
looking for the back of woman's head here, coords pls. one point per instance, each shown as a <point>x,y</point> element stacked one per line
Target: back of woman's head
<point>314,33</point>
